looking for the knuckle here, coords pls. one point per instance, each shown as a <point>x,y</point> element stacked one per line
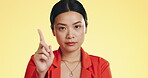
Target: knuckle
<point>42,43</point>
<point>42,55</point>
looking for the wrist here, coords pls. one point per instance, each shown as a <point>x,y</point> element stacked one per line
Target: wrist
<point>41,74</point>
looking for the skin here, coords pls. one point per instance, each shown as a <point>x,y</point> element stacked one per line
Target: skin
<point>69,27</point>
<point>69,30</point>
<point>43,57</point>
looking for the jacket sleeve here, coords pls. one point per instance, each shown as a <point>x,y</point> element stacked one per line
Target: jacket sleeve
<point>105,69</point>
<point>31,69</point>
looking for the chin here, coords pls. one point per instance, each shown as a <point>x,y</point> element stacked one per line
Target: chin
<point>71,48</point>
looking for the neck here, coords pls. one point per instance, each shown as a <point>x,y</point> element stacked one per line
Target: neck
<point>71,56</point>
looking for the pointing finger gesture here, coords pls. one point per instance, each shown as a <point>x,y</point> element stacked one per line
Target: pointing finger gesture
<point>43,57</point>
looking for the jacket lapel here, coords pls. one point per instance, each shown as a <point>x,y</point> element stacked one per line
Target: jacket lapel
<point>86,71</point>
<point>55,72</point>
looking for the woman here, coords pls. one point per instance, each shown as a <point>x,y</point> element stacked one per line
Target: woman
<point>69,26</point>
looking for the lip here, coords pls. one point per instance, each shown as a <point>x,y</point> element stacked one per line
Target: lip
<point>70,43</point>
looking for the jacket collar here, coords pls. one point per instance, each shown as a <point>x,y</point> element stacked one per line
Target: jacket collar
<point>57,58</point>
<point>86,65</point>
<point>86,62</point>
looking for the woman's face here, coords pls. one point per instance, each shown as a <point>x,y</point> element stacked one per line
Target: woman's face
<point>69,30</point>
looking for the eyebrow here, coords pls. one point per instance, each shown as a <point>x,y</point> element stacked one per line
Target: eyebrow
<point>72,24</point>
<point>77,22</point>
<point>61,24</point>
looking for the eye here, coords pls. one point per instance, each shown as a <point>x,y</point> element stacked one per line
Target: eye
<point>62,28</point>
<point>77,26</point>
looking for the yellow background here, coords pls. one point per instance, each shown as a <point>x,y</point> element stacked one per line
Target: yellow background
<point>117,31</point>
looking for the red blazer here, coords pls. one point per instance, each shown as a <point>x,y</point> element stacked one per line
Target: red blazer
<point>92,67</point>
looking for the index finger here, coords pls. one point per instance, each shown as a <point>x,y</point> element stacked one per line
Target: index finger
<point>41,35</point>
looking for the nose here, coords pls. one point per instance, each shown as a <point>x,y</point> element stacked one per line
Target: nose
<point>70,34</point>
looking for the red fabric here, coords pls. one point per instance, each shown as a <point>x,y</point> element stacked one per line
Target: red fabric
<point>92,67</point>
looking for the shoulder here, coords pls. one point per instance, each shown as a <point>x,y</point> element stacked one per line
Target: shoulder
<point>93,57</point>
<point>99,60</point>
<point>101,65</point>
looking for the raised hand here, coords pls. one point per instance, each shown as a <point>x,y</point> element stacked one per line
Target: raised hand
<point>43,57</point>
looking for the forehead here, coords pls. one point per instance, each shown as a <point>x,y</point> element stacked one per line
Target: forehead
<point>69,17</point>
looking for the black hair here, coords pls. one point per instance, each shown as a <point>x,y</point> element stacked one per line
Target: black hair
<point>65,6</point>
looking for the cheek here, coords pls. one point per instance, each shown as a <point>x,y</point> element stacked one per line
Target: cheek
<point>60,37</point>
<point>81,35</point>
